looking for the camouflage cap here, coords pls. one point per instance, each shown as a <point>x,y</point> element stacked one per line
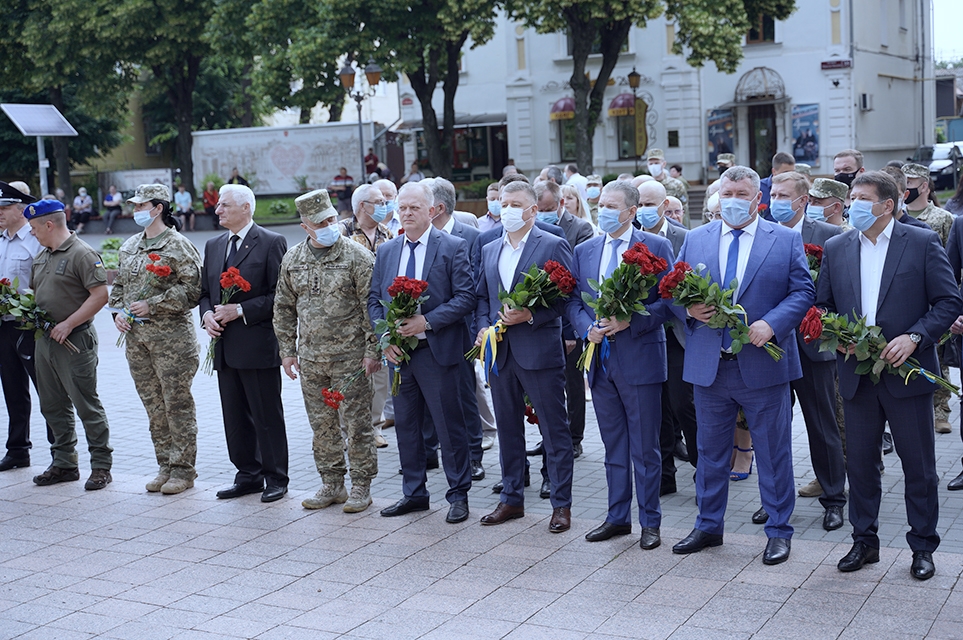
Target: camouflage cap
<point>315,206</point>
<point>655,154</point>
<point>913,170</point>
<point>148,192</point>
<point>593,179</point>
<point>803,168</point>
<point>727,159</point>
<point>826,188</point>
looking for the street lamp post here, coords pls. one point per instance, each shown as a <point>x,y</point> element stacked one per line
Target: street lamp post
<point>373,73</point>
<point>634,79</point>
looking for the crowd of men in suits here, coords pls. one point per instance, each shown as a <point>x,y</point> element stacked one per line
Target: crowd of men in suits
<point>667,374</point>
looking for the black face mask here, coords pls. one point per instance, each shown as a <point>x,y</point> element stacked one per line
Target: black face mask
<point>914,193</point>
<point>845,178</point>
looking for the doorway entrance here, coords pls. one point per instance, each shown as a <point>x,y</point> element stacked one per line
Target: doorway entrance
<point>762,145</point>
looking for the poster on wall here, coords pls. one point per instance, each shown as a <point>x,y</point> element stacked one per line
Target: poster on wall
<point>721,127</point>
<point>805,133</point>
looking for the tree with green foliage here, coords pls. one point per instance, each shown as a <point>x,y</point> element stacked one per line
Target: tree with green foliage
<point>704,30</point>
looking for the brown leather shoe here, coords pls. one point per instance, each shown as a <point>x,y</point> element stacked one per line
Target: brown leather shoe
<point>561,520</point>
<point>503,513</point>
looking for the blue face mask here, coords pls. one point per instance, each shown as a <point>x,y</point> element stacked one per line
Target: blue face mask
<point>548,217</point>
<point>143,217</point>
<point>735,211</point>
<point>593,192</point>
<point>861,214</point>
<point>815,212</point>
<point>392,207</point>
<point>781,210</point>
<point>609,220</point>
<point>495,208</point>
<point>648,217</point>
<point>327,236</point>
<point>380,212</point>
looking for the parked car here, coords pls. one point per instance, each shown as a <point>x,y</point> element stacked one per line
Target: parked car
<point>943,159</point>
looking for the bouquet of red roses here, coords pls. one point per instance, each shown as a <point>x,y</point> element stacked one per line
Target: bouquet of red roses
<point>157,273</point>
<point>621,294</point>
<point>231,283</point>
<point>687,287</point>
<point>814,256</point>
<point>834,330</point>
<point>406,295</point>
<point>539,287</point>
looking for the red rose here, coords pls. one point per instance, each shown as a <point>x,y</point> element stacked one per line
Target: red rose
<point>811,326</point>
<point>5,282</point>
<point>673,279</point>
<point>551,266</point>
<point>815,251</point>
<point>154,257</point>
<point>641,256</point>
<point>397,286</point>
<point>567,284</point>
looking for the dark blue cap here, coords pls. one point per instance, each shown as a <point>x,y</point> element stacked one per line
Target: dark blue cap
<point>42,208</point>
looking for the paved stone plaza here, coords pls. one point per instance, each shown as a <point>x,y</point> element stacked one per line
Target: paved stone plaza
<point>122,563</point>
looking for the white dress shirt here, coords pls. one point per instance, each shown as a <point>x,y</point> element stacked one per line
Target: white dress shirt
<point>872,257</point>
<point>449,226</point>
<point>508,260</point>
<point>625,239</point>
<point>17,252</point>
<point>745,246</point>
<point>799,225</point>
<point>240,234</point>
<point>421,249</point>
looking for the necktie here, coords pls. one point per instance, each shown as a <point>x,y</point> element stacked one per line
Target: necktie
<point>410,269</point>
<point>233,250</point>
<point>731,264</point>
<point>614,258</point>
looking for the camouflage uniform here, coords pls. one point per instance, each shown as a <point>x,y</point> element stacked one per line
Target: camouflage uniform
<point>321,317</point>
<point>939,220</point>
<point>675,188</point>
<point>350,229</point>
<point>163,351</point>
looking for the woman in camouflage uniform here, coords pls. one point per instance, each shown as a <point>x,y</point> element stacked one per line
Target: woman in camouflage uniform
<point>162,350</point>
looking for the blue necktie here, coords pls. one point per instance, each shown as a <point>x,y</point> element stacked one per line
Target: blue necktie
<point>731,265</point>
<point>410,269</point>
<point>614,258</point>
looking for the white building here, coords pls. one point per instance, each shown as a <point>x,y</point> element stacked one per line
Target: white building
<point>837,74</point>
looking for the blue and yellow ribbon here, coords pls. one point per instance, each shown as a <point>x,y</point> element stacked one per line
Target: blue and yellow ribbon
<point>489,348</point>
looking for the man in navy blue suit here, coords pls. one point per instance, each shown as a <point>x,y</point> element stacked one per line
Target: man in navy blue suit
<point>530,358</point>
<point>773,285</point>
<point>899,277</point>
<point>429,379</point>
<point>627,387</point>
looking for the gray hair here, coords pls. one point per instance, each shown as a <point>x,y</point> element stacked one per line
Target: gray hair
<point>630,194</point>
<point>361,193</point>
<point>550,187</point>
<point>738,173</point>
<point>444,192</point>
<point>423,190</point>
<point>382,184</point>
<point>520,186</point>
<point>240,193</point>
<point>555,174</point>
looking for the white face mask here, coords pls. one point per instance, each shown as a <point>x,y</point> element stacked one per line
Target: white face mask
<point>655,170</point>
<point>512,218</point>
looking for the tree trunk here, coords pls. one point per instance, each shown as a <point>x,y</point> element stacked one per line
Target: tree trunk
<point>180,82</point>
<point>61,152</point>
<point>453,51</point>
<point>423,81</point>
<point>335,109</point>
<point>247,105</point>
<point>583,34</point>
<point>305,116</point>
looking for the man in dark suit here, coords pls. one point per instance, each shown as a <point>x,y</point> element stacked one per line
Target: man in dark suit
<point>773,285</point>
<point>816,389</point>
<point>678,407</point>
<point>627,387</point>
<point>430,387</point>
<point>899,278</point>
<point>246,355</point>
<point>530,358</point>
<point>954,249</point>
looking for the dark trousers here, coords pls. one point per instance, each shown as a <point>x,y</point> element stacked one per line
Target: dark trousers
<point>911,423</point>
<point>429,393</point>
<point>545,389</point>
<point>257,443</point>
<point>16,374</point>
<point>574,400</point>
<point>677,394</point>
<point>816,391</point>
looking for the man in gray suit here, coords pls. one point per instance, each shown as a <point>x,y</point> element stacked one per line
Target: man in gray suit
<point>899,277</point>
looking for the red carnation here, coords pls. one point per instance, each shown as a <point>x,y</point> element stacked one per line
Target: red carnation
<point>332,398</point>
<point>673,279</point>
<point>159,270</point>
<point>811,326</point>
<point>154,257</point>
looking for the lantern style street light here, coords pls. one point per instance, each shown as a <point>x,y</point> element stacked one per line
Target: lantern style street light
<point>634,78</point>
<point>373,74</point>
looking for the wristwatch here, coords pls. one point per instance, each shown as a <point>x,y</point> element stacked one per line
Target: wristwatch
<point>240,311</point>
<point>427,325</point>
<point>916,338</point>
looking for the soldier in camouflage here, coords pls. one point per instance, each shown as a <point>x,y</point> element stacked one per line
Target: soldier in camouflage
<point>673,187</point>
<point>321,322</point>
<point>153,311</point>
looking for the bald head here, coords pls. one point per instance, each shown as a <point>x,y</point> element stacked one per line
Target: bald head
<point>637,180</point>
<point>652,190</point>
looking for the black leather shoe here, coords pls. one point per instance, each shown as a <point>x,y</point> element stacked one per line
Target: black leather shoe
<point>577,450</point>
<point>650,538</point>
<point>697,541</point>
<point>498,486</point>
<point>238,490</point>
<point>477,471</point>
<point>10,462</point>
<point>273,494</point>
<point>833,518</point>
<point>545,492</point>
<point>681,451</point>
<point>537,450</point>
<point>859,555</point>
<point>457,512</point>
<point>667,488</point>
<point>777,551</point>
<point>607,530</point>
<point>405,505</point>
<point>760,516</point>
<point>923,567</point>
<point>432,462</point>
<point>887,443</point>
<point>955,484</point>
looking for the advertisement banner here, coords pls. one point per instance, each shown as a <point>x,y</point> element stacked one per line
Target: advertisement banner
<point>805,133</point>
<point>721,126</point>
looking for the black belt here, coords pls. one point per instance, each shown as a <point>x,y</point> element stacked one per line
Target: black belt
<point>728,357</point>
<point>421,345</point>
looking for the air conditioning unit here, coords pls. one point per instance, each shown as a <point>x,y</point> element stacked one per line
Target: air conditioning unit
<point>865,102</point>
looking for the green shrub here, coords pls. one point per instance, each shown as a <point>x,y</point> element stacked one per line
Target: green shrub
<point>476,190</point>
<point>111,244</point>
<point>609,177</point>
<point>211,177</point>
<point>280,209</point>
<point>110,258</point>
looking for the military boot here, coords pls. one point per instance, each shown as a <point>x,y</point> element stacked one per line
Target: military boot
<point>155,485</point>
<point>326,495</point>
<point>360,498</point>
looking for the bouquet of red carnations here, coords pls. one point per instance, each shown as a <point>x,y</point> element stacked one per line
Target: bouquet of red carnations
<point>231,283</point>
<point>157,273</point>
